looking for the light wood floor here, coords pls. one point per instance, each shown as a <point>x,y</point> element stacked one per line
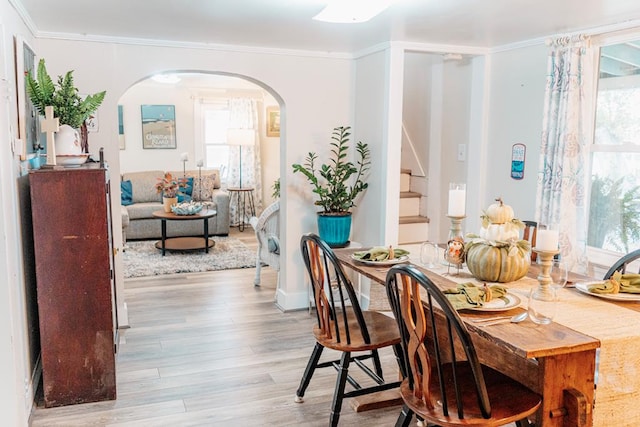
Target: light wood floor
<point>210,349</point>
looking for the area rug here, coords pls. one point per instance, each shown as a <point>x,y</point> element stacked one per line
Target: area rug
<point>143,259</point>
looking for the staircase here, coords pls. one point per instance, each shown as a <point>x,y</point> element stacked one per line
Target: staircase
<point>413,227</point>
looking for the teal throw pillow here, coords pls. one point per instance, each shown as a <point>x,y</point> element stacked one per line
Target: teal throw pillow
<point>185,193</point>
<point>126,193</point>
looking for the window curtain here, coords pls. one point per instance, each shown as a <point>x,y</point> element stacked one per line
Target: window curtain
<point>563,173</point>
<point>243,114</point>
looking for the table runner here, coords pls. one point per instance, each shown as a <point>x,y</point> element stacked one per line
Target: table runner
<point>618,329</point>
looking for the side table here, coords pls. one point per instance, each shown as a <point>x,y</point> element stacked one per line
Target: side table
<point>244,204</point>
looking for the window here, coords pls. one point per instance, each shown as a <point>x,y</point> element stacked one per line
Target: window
<point>614,215</point>
<point>215,122</point>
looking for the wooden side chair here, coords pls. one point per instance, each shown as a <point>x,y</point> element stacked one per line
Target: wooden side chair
<point>622,264</point>
<point>344,327</point>
<point>446,384</point>
<point>529,234</point>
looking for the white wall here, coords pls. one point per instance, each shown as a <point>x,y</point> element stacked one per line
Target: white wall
<point>134,157</point>
<point>17,389</point>
<point>316,95</point>
<point>517,87</point>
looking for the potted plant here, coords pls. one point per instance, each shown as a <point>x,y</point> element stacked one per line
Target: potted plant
<point>68,106</point>
<point>337,185</point>
<point>168,186</point>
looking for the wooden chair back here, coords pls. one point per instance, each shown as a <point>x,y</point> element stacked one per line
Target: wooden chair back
<point>338,312</point>
<point>530,232</point>
<point>436,344</point>
<point>622,264</point>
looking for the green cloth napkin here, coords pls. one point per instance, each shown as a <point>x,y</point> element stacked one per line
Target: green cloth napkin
<point>628,284</point>
<point>468,295</point>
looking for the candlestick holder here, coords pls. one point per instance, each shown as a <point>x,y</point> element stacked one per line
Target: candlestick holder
<point>544,291</point>
<point>455,254</point>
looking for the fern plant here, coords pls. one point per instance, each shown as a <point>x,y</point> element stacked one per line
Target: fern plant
<point>339,182</point>
<point>67,104</point>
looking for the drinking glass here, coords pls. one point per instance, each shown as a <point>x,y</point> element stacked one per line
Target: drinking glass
<point>559,274</point>
<point>542,306</point>
<point>429,254</point>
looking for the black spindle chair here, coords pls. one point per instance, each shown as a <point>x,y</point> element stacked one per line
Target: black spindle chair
<point>622,264</point>
<point>344,327</point>
<point>446,384</point>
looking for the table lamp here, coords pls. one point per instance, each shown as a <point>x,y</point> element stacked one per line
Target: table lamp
<point>241,137</point>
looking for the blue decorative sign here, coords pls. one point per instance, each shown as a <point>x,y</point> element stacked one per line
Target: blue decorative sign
<point>518,152</point>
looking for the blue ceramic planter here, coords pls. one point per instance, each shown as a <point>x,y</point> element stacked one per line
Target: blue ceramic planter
<point>334,229</point>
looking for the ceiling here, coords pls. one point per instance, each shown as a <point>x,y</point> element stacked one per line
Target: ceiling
<point>287,24</point>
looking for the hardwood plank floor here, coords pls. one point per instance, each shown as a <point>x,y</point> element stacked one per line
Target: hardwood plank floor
<point>210,349</point>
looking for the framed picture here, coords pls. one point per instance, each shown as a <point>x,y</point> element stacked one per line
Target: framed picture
<point>158,126</point>
<point>28,123</point>
<point>273,121</point>
<point>121,128</point>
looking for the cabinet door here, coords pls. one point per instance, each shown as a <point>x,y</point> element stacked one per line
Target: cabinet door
<point>74,286</point>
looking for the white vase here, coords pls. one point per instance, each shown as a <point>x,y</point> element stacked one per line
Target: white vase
<point>67,141</point>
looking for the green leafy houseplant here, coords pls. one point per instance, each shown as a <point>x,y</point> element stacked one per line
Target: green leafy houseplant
<point>338,182</point>
<point>67,104</point>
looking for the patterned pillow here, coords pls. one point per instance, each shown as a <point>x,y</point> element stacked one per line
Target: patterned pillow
<point>203,191</point>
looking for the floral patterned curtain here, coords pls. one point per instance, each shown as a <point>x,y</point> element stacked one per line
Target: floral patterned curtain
<point>243,114</point>
<point>563,175</point>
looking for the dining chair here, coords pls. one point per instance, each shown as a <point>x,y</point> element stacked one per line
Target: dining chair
<point>622,264</point>
<point>446,384</point>
<point>343,326</point>
<point>530,232</point>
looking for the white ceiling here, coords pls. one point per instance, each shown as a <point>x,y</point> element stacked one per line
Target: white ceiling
<point>287,24</point>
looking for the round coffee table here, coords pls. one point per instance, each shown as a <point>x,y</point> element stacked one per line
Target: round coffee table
<point>185,243</point>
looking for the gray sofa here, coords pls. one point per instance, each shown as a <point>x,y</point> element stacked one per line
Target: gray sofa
<point>137,219</point>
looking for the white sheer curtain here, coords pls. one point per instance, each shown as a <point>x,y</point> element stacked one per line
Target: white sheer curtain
<point>243,114</point>
<point>564,155</point>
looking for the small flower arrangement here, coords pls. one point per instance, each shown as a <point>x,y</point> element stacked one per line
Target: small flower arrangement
<point>169,185</point>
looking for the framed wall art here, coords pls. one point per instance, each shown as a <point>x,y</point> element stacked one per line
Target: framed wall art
<point>273,121</point>
<point>158,126</point>
<point>28,123</point>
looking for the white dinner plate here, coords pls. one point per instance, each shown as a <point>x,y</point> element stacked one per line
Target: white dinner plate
<point>584,288</point>
<point>507,302</point>
<point>398,260</point>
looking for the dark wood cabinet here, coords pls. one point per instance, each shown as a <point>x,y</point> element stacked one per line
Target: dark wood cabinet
<point>75,283</point>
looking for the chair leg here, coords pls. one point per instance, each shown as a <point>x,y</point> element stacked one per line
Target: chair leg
<point>405,417</point>
<point>256,281</point>
<point>308,372</point>
<point>338,394</point>
<point>397,350</point>
<point>376,362</point>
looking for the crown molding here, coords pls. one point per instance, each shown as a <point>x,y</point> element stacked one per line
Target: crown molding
<point>26,18</point>
<point>191,45</point>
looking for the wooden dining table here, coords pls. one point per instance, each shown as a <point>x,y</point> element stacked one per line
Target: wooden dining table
<point>592,344</point>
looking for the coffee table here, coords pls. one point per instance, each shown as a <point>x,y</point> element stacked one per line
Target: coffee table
<point>185,243</point>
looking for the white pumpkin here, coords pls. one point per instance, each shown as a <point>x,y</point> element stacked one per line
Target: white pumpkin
<point>499,213</point>
<point>500,232</point>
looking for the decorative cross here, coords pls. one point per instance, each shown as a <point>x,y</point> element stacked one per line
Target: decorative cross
<point>50,125</point>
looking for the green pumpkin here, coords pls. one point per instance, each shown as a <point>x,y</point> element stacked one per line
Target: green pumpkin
<point>498,264</point>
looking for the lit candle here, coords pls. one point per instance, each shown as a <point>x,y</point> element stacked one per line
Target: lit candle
<point>457,196</point>
<point>547,240</point>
